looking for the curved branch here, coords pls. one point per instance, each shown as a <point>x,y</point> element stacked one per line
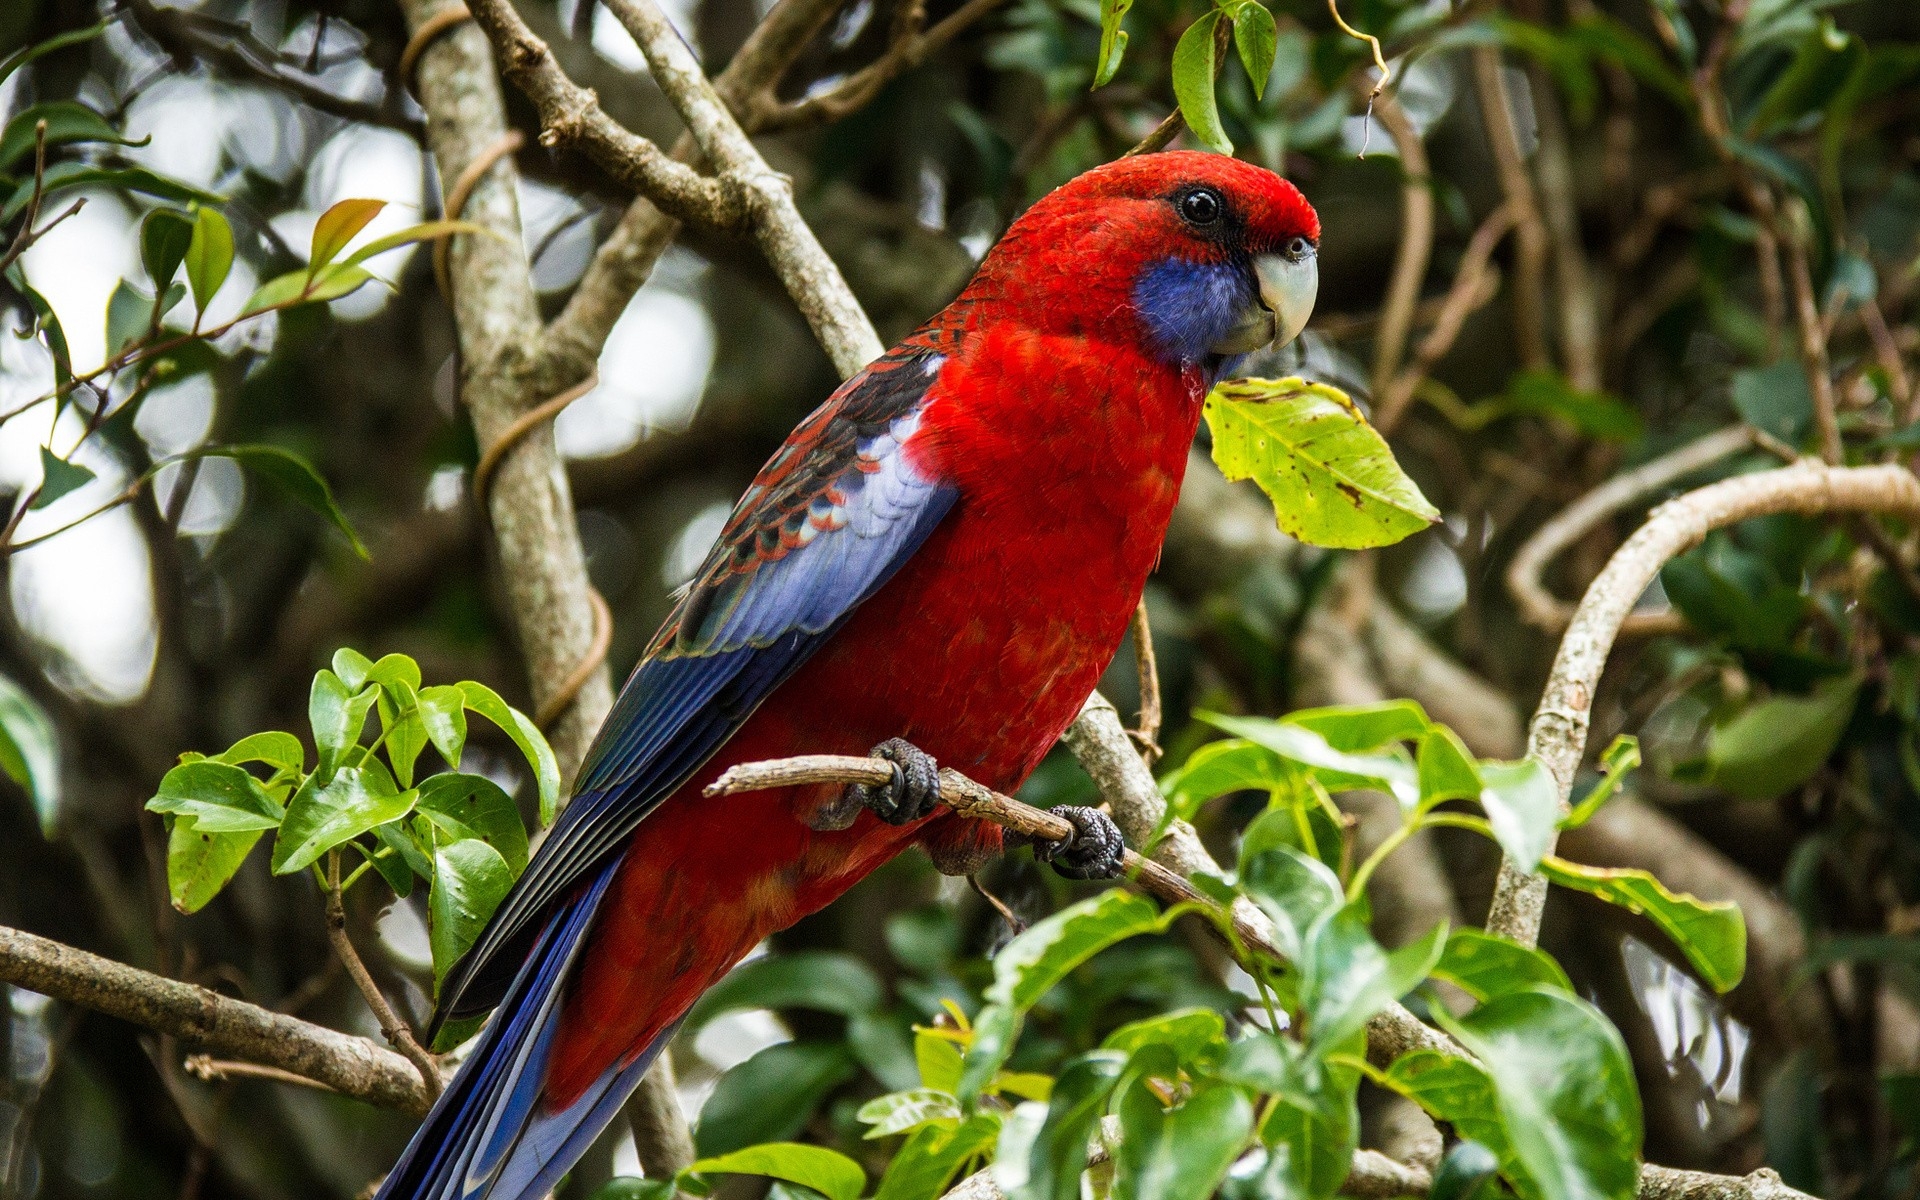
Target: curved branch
<point>1558,736</point>
<point>219,1024</point>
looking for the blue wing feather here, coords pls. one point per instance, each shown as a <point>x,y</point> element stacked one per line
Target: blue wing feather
<point>828,521</point>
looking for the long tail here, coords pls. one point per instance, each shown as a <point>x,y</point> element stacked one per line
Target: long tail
<point>489,1136</point>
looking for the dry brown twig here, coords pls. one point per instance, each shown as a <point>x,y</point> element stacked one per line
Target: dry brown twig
<point>393,1027</point>
<point>1529,306</point>
<point>1473,285</point>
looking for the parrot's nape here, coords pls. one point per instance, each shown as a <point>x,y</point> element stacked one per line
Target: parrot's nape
<point>936,566</point>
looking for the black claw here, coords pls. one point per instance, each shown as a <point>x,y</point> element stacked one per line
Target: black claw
<point>912,793</point>
<point>1095,851</point>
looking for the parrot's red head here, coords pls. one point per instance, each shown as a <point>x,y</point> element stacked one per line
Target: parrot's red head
<point>1200,257</point>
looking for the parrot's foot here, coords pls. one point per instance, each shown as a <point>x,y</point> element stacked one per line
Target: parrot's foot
<point>912,793</point>
<point>1094,851</point>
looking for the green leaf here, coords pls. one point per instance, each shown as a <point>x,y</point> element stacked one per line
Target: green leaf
<point>934,1155</point>
<point>1619,759</point>
<point>60,41</point>
<point>443,709</point>
<point>1485,965</point>
<point>1775,399</point>
<point>301,287</point>
<point>406,733</point>
<point>67,123</point>
<point>1455,1091</point>
<point>1255,36</point>
<point>939,1061</point>
<point>281,751</point>
<point>336,227</point>
<point>353,667</point>
<point>1392,772</point>
<point>1313,1127</point>
<point>321,817</point>
<point>290,475</point>
<point>1193,69</point>
<point>1774,746</point>
<point>1548,393</point>
<point>1330,475</point>
<point>1032,963</point>
<point>1447,769</point>
<point>1217,768</point>
<point>392,864</point>
<point>828,1172</point>
<point>338,715</point>
<point>1467,1173</point>
<point>425,232</point>
<point>634,1187</point>
<point>1348,977</point>
<point>1181,1153</point>
<point>220,798</point>
<point>209,255</point>
<point>525,734</point>
<point>58,478</point>
<point>473,806</point>
<point>1523,806</point>
<point>771,1095</point>
<point>129,317</point>
<point>470,879</point>
<point>200,863</point>
<point>165,235</point>
<point>1194,1034</point>
<point>822,980</point>
<point>1059,1151</point>
<point>1564,1088</point>
<point>1357,728</point>
<point>50,328</point>
<point>1713,935</point>
<point>30,751</point>
<point>903,1112</point>
<point>1113,40</point>
<point>63,176</point>
<point>1294,889</point>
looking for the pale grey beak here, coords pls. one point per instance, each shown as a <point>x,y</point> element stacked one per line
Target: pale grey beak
<point>1288,286</point>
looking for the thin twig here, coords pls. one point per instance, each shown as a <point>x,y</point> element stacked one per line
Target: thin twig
<point>1416,242</point>
<point>397,1032</point>
<point>1529,305</point>
<point>1148,670</point>
<point>215,1070</point>
<point>1470,290</point>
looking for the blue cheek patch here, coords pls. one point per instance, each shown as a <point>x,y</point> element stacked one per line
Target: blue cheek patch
<point>1188,306</point>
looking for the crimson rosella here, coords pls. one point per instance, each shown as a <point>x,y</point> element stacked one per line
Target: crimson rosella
<point>937,565</point>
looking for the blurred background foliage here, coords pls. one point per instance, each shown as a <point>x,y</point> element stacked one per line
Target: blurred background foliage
<point>1776,689</point>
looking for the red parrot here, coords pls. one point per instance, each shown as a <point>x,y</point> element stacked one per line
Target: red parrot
<point>937,565</point>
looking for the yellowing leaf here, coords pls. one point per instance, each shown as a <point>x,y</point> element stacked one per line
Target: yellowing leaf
<point>1330,475</point>
<point>336,228</point>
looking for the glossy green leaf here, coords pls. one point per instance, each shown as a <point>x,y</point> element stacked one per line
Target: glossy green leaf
<point>392,865</point>
<point>406,733</point>
<point>209,255</point>
<point>60,41</point>
<point>635,1187</point>
<point>281,751</point>
<point>1523,806</point>
<point>1331,477</point>
<point>1713,935</point>
<point>1392,772</point>
<point>1301,815</point>
<point>1181,1153</point>
<point>883,1042</point>
<point>828,1172</point>
<point>301,287</point>
<point>1619,759</point>
<point>1059,1151</point>
<point>473,806</point>
<point>1455,1091</point>
<point>1358,728</point>
<point>1313,1125</point>
<point>1256,38</point>
<point>1774,746</point>
<point>353,667</point>
<point>1113,40</point>
<point>165,234</point>
<point>1193,72</point>
<point>930,1159</point>
<point>1194,1034</point>
<point>903,1112</point>
<point>1348,976</point>
<point>772,1095</point>
<point>939,1061</point>
<point>58,478</point>
<point>30,751</point>
<point>64,176</point>
<point>129,317</point>
<point>68,122</point>
<point>336,227</point>
<point>527,736</point>
<point>321,817</point>
<point>338,714</point>
<point>201,863</point>
<point>443,709</point>
<point>1447,769</point>
<point>292,476</point>
<point>1564,1088</point>
<point>470,879</point>
<point>220,798</point>
<point>1217,768</point>
<point>426,231</point>
<point>826,981</point>
<point>1293,888</point>
<point>1485,965</point>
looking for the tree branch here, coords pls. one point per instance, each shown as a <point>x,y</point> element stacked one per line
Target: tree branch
<point>230,1028</point>
<point>1559,732</point>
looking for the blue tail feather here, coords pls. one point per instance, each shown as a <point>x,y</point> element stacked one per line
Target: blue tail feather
<point>487,1137</point>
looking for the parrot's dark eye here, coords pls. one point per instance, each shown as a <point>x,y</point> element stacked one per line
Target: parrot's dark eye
<point>1298,248</point>
<point>1201,206</point>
